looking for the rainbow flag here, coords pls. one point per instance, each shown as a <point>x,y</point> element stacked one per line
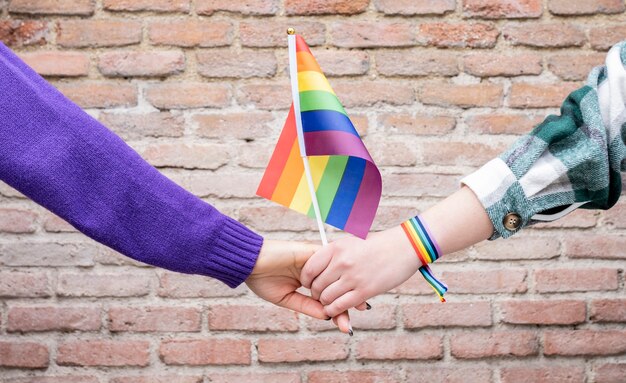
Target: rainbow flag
<point>346,181</point>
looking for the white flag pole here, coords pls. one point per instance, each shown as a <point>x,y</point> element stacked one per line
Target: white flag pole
<point>295,95</point>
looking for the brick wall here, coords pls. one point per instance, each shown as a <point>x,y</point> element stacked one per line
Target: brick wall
<point>200,89</point>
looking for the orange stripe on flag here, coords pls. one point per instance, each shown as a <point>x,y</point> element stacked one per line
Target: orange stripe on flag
<point>279,157</point>
<point>289,180</point>
<point>306,62</point>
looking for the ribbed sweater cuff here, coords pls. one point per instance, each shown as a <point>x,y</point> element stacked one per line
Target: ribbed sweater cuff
<point>235,252</point>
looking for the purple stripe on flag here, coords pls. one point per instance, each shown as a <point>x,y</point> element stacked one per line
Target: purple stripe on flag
<point>335,143</point>
<point>366,203</point>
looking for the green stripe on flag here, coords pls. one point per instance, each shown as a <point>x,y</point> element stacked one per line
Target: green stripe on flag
<point>329,184</point>
<point>319,100</point>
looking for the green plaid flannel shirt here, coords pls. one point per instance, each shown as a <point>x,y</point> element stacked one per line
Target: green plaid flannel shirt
<point>568,161</point>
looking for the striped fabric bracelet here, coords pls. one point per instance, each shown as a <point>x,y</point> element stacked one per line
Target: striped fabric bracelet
<point>427,251</point>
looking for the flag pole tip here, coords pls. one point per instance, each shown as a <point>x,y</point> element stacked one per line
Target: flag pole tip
<point>291,31</point>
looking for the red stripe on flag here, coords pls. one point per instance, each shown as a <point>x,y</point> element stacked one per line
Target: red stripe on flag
<point>301,45</point>
<point>279,157</point>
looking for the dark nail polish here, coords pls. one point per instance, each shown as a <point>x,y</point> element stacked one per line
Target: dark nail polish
<point>368,306</point>
<point>329,318</point>
<point>350,332</point>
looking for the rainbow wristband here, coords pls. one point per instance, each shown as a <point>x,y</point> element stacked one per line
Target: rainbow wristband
<point>427,251</point>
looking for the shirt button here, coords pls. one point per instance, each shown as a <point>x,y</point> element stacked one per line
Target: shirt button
<point>512,221</point>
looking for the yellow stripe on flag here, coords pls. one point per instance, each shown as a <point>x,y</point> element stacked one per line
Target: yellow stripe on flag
<point>310,80</point>
<point>302,199</point>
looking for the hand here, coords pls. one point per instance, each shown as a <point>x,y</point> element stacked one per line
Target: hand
<point>276,277</point>
<point>350,271</point>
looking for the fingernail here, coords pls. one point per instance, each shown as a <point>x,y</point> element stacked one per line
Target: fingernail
<point>350,332</point>
<point>329,318</point>
<point>368,306</point>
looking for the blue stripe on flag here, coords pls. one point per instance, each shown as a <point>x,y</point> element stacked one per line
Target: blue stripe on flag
<point>324,120</point>
<point>346,193</point>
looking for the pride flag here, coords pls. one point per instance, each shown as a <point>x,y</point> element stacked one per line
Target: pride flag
<point>345,179</point>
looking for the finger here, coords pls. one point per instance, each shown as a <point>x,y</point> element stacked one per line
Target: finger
<point>350,299</point>
<point>343,323</point>
<point>363,306</point>
<point>303,304</point>
<point>323,281</point>
<point>315,265</point>
<point>333,291</point>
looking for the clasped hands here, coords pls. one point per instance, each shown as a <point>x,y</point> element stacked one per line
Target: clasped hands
<point>341,275</point>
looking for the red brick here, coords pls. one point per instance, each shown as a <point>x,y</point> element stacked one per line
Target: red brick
<point>464,96</point>
<point>546,35</point>
<point>103,353</point>
<point>495,123</point>
<point>343,63</point>
<point>271,33</point>
<point>570,66</point>
<point>584,342</point>
<point>245,125</point>
<point>51,318</point>
<point>101,285</point>
<point>616,216</point>
<point>561,374</point>
<point>459,153</point>
<point>137,126</point>
<point>15,284</point>
<point>391,153</point>
<point>98,33</point>
<point>580,218</point>
<point>141,64</point>
<point>448,374</point>
<point>416,285</point>
<point>18,33</point>
<point>519,248</point>
<point>205,352</point>
<point>8,191</point>
<point>154,319</point>
<point>275,218</point>
<point>543,312</point>
<point>55,379</point>
<point>223,185</point>
<point>460,35</point>
<point>387,216</point>
<point>251,318</point>
<point>567,280</point>
<point>188,156</point>
<point>461,314</point>
<point>498,9</point>
<point>17,221</point>
<point>255,155</point>
<point>392,347</point>
<point>278,350</point>
<point>175,285</point>
<point>604,37</point>
<point>265,96</point>
<point>417,185</point>
<point>589,7</point>
<point>244,64</point>
<point>381,317</point>
<point>53,7</point>
<point>63,64</point>
<point>23,355</point>
<point>191,33</point>
<point>415,7</point>
<point>158,379</point>
<point>417,63</point>
<point>100,94</point>
<point>361,34</point>
<point>248,7</point>
<point>511,280</point>
<point>47,254</point>
<point>373,92</point>
<point>108,256</point>
<point>522,95</point>
<point>147,5</point>
<point>256,377</point>
<point>608,310</point>
<point>483,344</point>
<point>496,64</point>
<point>54,224</point>
<point>325,7</point>
<point>188,95</point>
<point>419,125</point>
<point>595,246</point>
<point>360,376</point>
<point>610,373</point>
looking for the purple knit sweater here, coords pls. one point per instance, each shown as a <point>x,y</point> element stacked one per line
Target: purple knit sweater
<point>61,158</point>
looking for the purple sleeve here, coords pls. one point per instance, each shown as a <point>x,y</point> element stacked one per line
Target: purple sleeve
<point>63,159</point>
